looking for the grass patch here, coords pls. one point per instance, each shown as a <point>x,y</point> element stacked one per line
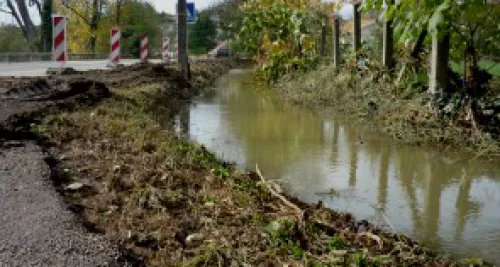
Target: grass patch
<point>402,110</point>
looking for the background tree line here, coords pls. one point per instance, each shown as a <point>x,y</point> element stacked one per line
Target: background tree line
<point>89,25</point>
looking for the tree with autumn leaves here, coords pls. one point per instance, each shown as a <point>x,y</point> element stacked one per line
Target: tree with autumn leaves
<point>89,23</point>
<point>281,35</point>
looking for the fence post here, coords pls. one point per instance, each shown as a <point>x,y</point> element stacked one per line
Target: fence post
<point>115,43</point>
<point>144,48</point>
<point>59,51</point>
<point>336,41</point>
<point>356,28</point>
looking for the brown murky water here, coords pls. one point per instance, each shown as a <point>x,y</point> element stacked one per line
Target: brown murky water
<point>447,201</point>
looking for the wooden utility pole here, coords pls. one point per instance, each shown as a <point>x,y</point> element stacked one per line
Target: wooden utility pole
<point>182,38</point>
<point>336,41</point>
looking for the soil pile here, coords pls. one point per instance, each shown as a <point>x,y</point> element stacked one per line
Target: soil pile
<point>28,101</point>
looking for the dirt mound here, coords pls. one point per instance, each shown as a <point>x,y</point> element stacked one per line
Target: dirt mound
<point>26,99</point>
<point>29,101</point>
<point>23,101</point>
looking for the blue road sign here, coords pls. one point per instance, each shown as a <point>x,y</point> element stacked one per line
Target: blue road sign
<point>191,13</point>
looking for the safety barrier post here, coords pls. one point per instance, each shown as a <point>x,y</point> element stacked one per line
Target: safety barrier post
<point>115,44</point>
<point>144,48</point>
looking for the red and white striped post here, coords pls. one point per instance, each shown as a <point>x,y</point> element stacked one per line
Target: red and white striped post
<point>176,46</point>
<point>59,52</point>
<point>166,48</point>
<point>144,48</point>
<point>114,55</point>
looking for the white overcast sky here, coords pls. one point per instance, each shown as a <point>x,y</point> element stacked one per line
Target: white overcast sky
<point>169,7</point>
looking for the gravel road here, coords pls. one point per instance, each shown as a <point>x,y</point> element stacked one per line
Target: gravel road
<point>36,228</point>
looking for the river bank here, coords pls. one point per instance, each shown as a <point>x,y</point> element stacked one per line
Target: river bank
<point>401,111</point>
<point>38,226</point>
<point>171,202</point>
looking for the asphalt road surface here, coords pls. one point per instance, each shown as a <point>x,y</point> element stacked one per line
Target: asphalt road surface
<point>39,68</point>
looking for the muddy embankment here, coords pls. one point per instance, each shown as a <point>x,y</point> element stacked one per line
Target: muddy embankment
<point>38,227</point>
<point>168,202</point>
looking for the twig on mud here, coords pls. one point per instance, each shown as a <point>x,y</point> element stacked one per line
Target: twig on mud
<point>373,237</point>
<point>298,210</point>
<point>385,218</point>
<point>482,152</point>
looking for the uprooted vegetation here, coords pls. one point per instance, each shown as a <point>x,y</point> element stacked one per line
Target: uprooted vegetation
<point>172,203</point>
<point>404,110</point>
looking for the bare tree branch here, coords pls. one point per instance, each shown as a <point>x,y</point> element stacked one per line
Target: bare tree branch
<point>459,32</point>
<point>78,14</point>
<point>38,6</point>
<point>5,11</point>
<point>26,18</point>
<point>17,18</point>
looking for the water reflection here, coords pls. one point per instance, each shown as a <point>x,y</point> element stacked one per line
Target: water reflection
<point>444,200</point>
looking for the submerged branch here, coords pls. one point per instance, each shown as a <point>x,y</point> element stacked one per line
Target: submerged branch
<point>285,201</point>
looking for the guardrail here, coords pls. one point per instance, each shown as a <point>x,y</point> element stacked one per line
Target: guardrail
<point>26,57</point>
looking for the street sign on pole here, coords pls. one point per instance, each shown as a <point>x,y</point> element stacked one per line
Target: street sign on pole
<point>182,38</point>
<point>191,13</point>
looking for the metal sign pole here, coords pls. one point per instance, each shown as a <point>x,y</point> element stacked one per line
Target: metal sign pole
<point>182,59</point>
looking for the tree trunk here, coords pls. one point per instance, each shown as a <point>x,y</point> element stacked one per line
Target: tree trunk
<point>16,17</point>
<point>356,28</point>
<point>46,28</point>
<point>418,45</point>
<point>388,46</point>
<point>118,11</point>
<point>323,39</point>
<point>28,23</point>
<point>94,24</point>
<point>336,42</point>
<point>92,42</point>
<point>439,76</point>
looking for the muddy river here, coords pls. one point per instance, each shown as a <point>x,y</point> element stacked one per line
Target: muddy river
<point>448,201</point>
